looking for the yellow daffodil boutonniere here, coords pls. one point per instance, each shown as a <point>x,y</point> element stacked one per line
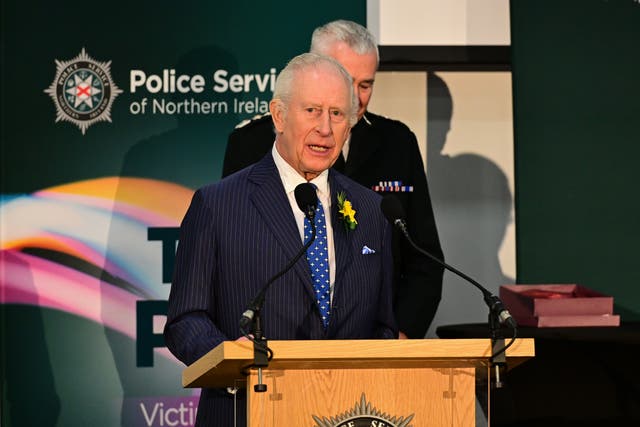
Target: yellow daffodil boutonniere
<point>348,214</point>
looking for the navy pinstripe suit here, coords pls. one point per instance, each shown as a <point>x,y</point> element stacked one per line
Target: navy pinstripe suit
<point>237,234</point>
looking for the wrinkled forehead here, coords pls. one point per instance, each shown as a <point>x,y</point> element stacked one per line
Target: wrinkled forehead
<point>322,82</point>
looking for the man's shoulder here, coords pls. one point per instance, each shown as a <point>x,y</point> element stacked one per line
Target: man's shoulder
<point>248,143</point>
<point>228,184</point>
<point>227,195</point>
<point>388,135</point>
<point>386,124</point>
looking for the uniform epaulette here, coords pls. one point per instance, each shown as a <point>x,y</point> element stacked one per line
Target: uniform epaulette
<point>380,120</point>
<point>252,119</point>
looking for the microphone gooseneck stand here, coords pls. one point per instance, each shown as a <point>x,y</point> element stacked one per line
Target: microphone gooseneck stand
<point>306,199</point>
<point>498,314</point>
<point>260,352</point>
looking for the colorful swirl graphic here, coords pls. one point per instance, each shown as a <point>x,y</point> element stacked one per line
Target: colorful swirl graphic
<point>83,248</point>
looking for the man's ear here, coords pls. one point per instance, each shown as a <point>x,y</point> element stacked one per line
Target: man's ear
<point>277,114</point>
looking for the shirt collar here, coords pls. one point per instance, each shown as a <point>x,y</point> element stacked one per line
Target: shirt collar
<point>291,179</point>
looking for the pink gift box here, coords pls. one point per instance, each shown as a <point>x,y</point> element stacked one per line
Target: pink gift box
<point>566,305</point>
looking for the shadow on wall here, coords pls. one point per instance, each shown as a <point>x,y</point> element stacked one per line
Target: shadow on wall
<point>190,155</point>
<point>472,206</point>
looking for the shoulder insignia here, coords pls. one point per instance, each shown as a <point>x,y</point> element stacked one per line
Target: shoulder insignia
<point>254,118</point>
<point>243,123</point>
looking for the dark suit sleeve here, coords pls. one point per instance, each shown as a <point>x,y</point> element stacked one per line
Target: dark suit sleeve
<point>190,332</point>
<point>420,290</point>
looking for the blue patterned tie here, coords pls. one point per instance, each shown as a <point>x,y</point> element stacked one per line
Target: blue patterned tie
<point>318,258</point>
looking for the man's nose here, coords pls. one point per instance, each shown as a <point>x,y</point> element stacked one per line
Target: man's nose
<point>324,123</point>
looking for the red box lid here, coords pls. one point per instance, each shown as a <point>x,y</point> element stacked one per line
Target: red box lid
<point>535,301</point>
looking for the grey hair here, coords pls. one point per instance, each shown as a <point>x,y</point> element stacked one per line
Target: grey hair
<point>284,83</point>
<point>357,37</point>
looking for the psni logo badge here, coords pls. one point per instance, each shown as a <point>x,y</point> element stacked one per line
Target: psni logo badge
<point>83,91</point>
<point>363,414</point>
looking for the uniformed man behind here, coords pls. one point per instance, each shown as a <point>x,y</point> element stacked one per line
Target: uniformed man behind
<point>381,154</point>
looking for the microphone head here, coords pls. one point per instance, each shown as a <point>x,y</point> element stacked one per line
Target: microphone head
<point>306,198</point>
<point>392,208</point>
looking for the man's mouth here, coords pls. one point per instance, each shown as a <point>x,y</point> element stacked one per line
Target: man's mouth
<point>318,148</point>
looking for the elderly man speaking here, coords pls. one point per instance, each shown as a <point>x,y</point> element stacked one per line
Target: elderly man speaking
<point>241,231</point>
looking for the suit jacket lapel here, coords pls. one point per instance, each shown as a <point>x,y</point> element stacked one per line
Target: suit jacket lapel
<point>273,205</point>
<point>364,144</point>
<point>341,237</point>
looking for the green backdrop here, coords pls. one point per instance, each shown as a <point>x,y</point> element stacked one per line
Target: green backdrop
<point>576,74</point>
<point>60,367</point>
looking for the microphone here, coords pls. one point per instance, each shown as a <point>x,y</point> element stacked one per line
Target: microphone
<point>307,201</point>
<point>393,211</point>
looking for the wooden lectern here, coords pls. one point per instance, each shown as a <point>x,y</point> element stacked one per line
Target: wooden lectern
<point>352,383</point>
